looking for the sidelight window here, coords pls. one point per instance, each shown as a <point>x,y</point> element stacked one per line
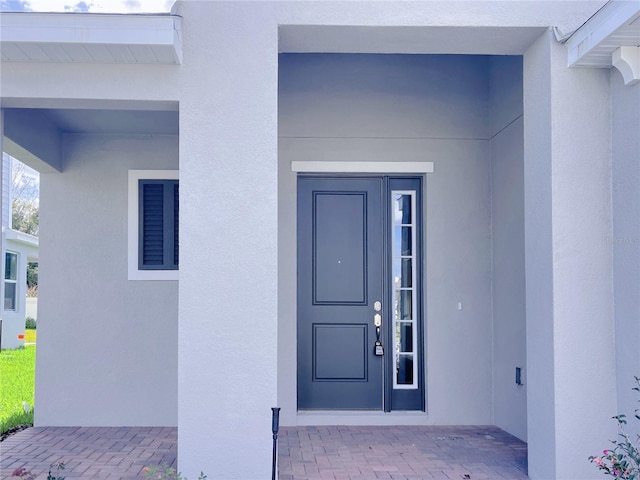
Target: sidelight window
<point>404,328</point>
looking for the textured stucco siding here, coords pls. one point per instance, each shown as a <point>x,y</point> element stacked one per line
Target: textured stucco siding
<point>107,346</point>
<point>412,108</point>
<point>625,239</point>
<point>507,228</point>
<point>237,235</point>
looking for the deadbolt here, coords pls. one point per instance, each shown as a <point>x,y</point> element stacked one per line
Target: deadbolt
<point>377,306</point>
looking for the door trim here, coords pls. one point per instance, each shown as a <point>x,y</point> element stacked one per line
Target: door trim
<point>417,168</point>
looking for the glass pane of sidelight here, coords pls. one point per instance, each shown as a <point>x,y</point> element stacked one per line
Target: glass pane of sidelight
<point>402,272</point>
<point>404,337</point>
<point>403,305</point>
<point>402,241</point>
<point>404,369</point>
<point>402,209</point>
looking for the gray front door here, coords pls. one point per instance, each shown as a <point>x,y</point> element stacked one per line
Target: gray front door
<point>359,266</point>
<point>340,277</point>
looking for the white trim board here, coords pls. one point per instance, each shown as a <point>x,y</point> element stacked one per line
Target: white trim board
<point>362,167</point>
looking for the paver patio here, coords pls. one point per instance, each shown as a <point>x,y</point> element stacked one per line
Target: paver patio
<point>89,452</point>
<point>417,452</point>
<point>313,453</point>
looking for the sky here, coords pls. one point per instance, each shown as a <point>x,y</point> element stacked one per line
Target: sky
<point>100,6</point>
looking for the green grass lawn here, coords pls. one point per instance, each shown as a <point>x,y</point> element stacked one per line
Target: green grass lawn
<point>17,379</point>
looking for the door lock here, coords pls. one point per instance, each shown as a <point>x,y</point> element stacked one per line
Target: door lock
<point>377,306</point>
<point>378,350</point>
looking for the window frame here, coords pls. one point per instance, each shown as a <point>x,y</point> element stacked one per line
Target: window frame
<point>13,281</point>
<point>134,272</point>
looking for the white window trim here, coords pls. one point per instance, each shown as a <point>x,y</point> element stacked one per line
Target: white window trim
<point>132,229</point>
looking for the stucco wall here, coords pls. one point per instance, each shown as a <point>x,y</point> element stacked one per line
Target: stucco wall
<point>538,260</point>
<point>625,241</point>
<point>114,339</point>
<point>570,348</point>
<point>227,89</point>
<point>507,221</point>
<point>228,177</point>
<point>411,108</point>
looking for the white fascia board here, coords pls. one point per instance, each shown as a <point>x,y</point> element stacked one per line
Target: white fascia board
<point>598,28</point>
<point>90,29</point>
<point>20,237</point>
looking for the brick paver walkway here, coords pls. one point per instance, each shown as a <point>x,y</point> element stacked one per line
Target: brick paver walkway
<point>370,453</point>
<point>98,453</point>
<point>305,453</point>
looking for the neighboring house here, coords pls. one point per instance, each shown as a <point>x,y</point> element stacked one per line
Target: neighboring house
<point>449,170</point>
<point>18,249</point>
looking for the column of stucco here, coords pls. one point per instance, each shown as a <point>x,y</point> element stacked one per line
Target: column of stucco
<point>538,261</point>
<point>228,241</point>
<point>570,349</point>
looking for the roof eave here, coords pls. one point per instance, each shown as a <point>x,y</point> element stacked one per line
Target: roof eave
<point>616,25</point>
<point>91,38</point>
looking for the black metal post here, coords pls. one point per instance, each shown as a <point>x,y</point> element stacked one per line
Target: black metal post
<point>275,424</point>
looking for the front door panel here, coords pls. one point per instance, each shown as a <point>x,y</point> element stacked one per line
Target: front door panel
<point>359,266</point>
<point>340,276</point>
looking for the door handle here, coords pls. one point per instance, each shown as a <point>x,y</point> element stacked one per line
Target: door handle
<point>378,350</point>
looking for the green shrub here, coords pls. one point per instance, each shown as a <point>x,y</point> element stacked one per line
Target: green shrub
<point>623,461</point>
<point>30,323</point>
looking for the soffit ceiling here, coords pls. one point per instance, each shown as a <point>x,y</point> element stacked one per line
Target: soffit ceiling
<point>125,122</point>
<point>135,122</point>
<point>408,40</point>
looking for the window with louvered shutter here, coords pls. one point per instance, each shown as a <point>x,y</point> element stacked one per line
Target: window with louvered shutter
<point>158,224</point>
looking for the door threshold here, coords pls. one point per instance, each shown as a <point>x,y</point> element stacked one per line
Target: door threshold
<point>361,417</point>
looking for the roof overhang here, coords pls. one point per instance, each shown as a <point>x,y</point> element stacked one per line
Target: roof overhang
<point>611,38</point>
<point>91,38</point>
<point>21,238</point>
